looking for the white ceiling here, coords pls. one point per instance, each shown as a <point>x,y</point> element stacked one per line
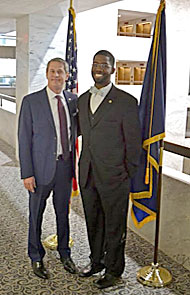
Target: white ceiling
<point>12,9</point>
<point>126,15</point>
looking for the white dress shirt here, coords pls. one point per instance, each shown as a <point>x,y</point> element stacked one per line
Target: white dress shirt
<point>53,105</point>
<point>98,96</point>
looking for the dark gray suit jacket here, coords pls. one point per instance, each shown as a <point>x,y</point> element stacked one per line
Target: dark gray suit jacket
<point>111,139</point>
<point>37,136</point>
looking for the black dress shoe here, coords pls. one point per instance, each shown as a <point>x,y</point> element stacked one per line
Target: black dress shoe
<point>91,269</point>
<point>106,281</point>
<point>69,265</point>
<point>39,269</point>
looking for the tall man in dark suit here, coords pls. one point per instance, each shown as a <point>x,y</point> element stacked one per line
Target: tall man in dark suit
<point>111,145</point>
<point>47,133</point>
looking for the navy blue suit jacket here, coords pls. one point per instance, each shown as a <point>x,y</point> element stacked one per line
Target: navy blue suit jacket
<point>37,136</point>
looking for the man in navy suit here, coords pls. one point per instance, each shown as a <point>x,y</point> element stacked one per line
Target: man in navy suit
<point>46,165</point>
<point>111,146</point>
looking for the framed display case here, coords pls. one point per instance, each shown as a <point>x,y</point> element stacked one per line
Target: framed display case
<point>135,24</point>
<point>130,72</point>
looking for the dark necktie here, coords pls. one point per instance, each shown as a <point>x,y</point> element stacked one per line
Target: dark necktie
<point>63,127</point>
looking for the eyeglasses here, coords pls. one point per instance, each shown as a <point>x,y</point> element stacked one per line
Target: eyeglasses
<point>102,66</point>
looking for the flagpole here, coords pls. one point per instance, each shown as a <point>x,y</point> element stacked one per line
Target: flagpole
<point>159,191</point>
<point>154,275</point>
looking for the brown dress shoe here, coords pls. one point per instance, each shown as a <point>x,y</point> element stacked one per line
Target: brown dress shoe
<point>69,265</point>
<point>91,269</point>
<point>39,269</point>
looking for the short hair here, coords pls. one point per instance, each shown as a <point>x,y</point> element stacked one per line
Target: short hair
<point>106,53</point>
<point>58,59</point>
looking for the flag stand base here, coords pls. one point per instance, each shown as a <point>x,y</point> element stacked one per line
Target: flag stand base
<point>154,276</point>
<point>51,242</point>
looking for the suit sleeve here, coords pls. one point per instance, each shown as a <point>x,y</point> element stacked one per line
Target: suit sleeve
<point>25,140</point>
<point>78,122</point>
<point>132,138</point>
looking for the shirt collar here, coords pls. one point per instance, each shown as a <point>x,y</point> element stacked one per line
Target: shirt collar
<point>52,94</point>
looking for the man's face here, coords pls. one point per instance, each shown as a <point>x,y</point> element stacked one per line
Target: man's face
<point>102,70</point>
<point>56,76</point>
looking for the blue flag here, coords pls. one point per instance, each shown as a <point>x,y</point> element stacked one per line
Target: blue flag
<point>71,53</point>
<point>152,117</point>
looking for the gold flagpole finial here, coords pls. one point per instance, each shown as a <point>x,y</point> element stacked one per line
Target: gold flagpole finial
<point>71,3</point>
<point>162,2</point>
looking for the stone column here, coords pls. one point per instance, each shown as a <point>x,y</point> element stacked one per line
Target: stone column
<point>22,58</point>
<point>39,38</point>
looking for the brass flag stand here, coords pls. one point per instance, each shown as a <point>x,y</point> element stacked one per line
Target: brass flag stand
<point>154,275</point>
<point>51,242</point>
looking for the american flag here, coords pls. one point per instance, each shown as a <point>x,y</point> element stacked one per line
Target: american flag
<point>72,82</point>
<point>71,53</point>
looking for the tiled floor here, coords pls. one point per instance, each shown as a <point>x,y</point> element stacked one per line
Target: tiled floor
<point>16,276</point>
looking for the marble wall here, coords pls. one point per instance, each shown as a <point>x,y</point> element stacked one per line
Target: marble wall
<point>39,38</point>
<point>178,30</point>
<point>8,134</point>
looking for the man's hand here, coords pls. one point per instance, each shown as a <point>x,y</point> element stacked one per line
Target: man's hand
<point>30,184</point>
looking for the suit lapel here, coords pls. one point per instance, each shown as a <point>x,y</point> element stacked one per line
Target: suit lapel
<point>86,108</point>
<point>46,107</point>
<point>72,112</point>
<point>105,106</point>
<point>68,101</point>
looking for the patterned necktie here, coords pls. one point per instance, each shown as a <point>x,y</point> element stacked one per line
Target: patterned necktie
<point>63,127</point>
